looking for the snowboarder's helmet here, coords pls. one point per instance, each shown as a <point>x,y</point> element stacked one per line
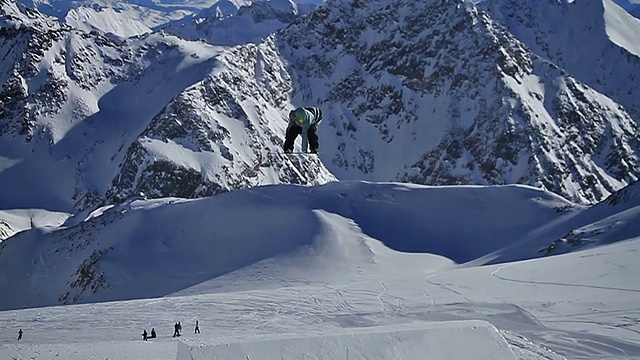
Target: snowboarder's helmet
<point>299,115</point>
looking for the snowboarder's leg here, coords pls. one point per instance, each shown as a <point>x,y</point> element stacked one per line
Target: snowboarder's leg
<point>292,133</point>
<point>313,139</point>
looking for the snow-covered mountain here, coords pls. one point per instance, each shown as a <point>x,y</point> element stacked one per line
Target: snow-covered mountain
<point>149,13</point>
<point>607,38</point>
<point>458,140</point>
<point>457,99</point>
<point>108,119</point>
<point>124,18</point>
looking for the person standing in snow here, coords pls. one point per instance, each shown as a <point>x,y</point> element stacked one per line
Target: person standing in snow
<point>20,334</point>
<point>144,335</point>
<point>197,330</point>
<point>153,333</point>
<point>305,121</point>
<point>176,330</point>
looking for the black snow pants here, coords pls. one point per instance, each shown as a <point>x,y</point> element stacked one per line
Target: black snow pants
<point>294,131</point>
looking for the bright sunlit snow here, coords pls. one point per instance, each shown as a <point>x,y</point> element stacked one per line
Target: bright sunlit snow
<point>622,27</point>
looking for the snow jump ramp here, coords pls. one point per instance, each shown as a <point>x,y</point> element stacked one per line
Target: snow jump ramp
<point>455,340</point>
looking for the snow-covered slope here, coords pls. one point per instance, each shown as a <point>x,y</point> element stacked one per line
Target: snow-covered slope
<point>632,6</point>
<point>310,262</point>
<point>124,252</point>
<point>612,220</point>
<point>106,21</point>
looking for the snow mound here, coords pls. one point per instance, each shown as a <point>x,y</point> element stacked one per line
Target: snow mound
<point>444,340</point>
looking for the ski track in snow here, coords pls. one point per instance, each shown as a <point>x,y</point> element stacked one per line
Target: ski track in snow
<point>505,278</point>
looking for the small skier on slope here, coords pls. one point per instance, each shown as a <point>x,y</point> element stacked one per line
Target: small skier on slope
<point>305,121</point>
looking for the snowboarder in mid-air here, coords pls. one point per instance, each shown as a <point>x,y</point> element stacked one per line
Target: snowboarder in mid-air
<point>305,121</point>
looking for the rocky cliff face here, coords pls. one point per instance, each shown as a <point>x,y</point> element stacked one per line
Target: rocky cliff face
<point>219,135</point>
<point>456,98</point>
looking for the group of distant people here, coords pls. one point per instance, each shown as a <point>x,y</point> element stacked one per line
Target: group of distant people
<point>146,336</point>
<point>177,329</point>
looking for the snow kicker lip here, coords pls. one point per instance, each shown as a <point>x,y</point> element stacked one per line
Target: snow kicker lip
<point>446,340</point>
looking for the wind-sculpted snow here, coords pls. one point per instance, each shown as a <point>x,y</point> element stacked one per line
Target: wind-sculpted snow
<point>15,221</point>
<point>106,21</point>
